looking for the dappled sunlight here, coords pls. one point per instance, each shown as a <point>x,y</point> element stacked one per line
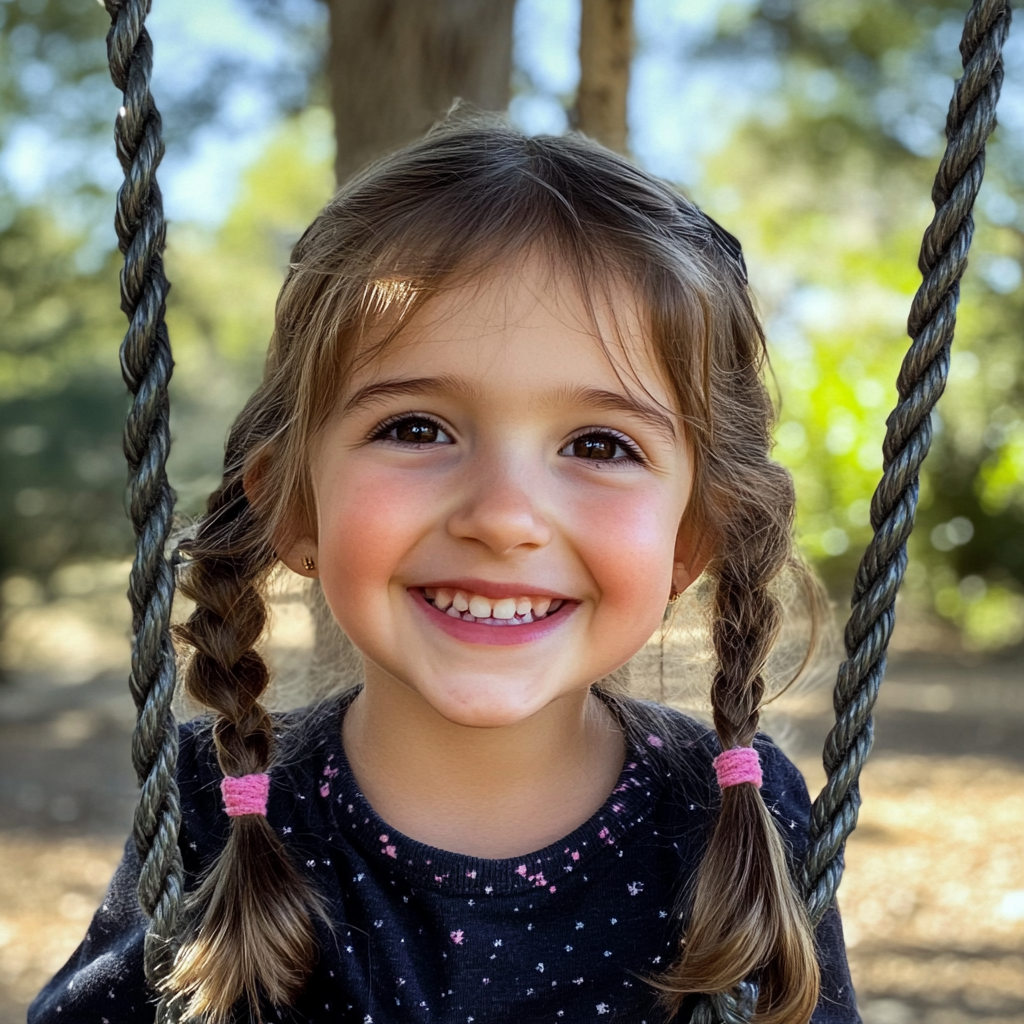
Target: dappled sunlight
<point>933,894</point>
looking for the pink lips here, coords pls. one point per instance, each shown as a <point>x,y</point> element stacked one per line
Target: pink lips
<point>481,633</point>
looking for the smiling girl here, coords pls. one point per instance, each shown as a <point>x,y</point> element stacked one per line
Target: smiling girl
<point>512,406</point>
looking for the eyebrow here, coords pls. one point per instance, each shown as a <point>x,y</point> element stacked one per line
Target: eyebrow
<point>450,384</point>
<point>379,391</point>
<point>618,401</point>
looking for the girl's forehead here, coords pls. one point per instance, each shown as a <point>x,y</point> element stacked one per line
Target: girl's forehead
<point>522,325</point>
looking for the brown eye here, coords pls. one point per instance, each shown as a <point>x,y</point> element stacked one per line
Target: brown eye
<point>412,430</point>
<point>594,447</point>
<point>603,446</point>
<point>417,431</point>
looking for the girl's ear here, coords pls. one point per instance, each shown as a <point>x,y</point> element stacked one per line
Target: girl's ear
<point>301,557</point>
<point>694,549</point>
<point>298,553</point>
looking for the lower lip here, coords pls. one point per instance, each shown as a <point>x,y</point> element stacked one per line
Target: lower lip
<point>481,633</point>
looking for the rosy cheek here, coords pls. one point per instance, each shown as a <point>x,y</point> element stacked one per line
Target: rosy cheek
<point>627,540</point>
<point>368,521</point>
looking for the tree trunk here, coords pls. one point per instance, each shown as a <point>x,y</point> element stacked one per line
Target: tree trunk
<point>606,48</point>
<point>396,66</point>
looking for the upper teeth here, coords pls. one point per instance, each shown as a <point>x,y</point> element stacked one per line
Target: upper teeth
<point>477,606</point>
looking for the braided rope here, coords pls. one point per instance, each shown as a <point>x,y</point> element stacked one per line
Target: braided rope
<point>922,379</point>
<point>728,1007</point>
<point>146,366</point>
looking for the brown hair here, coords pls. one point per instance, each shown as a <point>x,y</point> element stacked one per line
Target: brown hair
<point>472,194</point>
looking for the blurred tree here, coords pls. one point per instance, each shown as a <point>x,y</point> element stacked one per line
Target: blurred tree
<point>606,51</point>
<point>826,181</point>
<point>62,401</point>
<point>61,404</point>
<point>221,309</point>
<point>397,65</point>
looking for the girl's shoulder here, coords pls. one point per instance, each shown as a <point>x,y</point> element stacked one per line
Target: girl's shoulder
<point>682,749</point>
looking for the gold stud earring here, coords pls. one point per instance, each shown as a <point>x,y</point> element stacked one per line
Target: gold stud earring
<point>674,595</point>
<point>308,563</point>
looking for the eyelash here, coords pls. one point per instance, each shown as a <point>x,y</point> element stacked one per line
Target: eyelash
<point>382,430</point>
<point>633,452</point>
<point>634,455</point>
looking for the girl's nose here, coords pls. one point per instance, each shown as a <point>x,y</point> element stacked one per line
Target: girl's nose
<point>500,511</point>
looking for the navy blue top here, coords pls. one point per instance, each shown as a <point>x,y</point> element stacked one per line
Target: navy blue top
<point>569,933</point>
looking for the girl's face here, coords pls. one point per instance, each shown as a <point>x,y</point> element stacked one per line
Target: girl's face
<point>498,497</point>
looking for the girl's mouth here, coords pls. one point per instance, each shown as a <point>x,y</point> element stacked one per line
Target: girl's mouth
<point>504,611</point>
<point>501,621</point>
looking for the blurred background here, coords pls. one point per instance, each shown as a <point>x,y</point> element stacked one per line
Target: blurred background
<point>809,128</point>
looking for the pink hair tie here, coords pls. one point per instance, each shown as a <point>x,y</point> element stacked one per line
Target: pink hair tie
<point>245,794</point>
<point>740,764</point>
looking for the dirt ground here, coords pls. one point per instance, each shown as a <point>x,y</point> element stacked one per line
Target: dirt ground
<point>933,897</point>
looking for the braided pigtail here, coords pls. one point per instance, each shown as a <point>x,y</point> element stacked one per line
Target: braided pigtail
<point>254,937</point>
<point>746,918</point>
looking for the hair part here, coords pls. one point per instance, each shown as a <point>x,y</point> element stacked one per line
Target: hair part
<point>472,195</point>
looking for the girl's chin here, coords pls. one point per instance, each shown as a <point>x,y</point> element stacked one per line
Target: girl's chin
<point>485,705</point>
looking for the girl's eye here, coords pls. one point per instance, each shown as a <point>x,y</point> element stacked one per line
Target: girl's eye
<point>412,430</point>
<point>600,446</point>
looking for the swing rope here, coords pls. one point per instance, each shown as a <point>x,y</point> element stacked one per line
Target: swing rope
<point>146,366</point>
<point>921,381</point>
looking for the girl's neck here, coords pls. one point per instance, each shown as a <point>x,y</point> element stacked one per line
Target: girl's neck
<point>494,793</point>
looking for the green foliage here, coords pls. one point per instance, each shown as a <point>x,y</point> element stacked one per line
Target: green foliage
<point>61,401</point>
<point>829,189</point>
<point>53,49</point>
<point>54,77</point>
